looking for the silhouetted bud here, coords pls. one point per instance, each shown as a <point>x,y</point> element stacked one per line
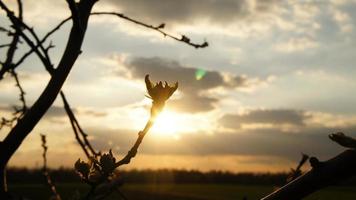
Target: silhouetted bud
<point>107,162</point>
<point>161,26</point>
<point>205,44</point>
<point>82,168</point>
<point>159,93</point>
<point>185,39</point>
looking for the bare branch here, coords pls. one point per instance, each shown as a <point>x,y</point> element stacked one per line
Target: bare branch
<point>19,25</point>
<point>343,140</point>
<point>158,28</point>
<point>15,39</point>
<point>50,183</point>
<point>46,61</point>
<point>78,131</point>
<point>133,151</point>
<point>5,45</point>
<point>14,139</point>
<point>7,65</point>
<point>40,43</point>
<point>321,175</point>
<point>74,10</point>
<point>22,92</point>
<point>5,30</point>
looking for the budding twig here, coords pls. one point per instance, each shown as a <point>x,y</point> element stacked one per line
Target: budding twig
<point>50,183</point>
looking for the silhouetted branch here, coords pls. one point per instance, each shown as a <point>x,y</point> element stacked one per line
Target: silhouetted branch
<point>295,173</point>
<point>22,92</point>
<point>343,140</point>
<point>19,25</point>
<point>39,42</point>
<point>7,65</point>
<point>133,151</point>
<point>50,183</point>
<point>44,56</point>
<point>73,48</point>
<point>15,39</point>
<point>75,14</point>
<point>321,175</point>
<point>5,30</point>
<point>78,131</point>
<point>4,45</point>
<point>158,28</point>
<point>18,112</point>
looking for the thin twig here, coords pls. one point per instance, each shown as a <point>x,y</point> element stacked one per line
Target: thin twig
<point>70,115</point>
<point>22,91</point>
<point>78,131</point>
<point>7,65</point>
<point>5,45</point>
<point>15,39</point>
<point>50,183</point>
<point>18,112</point>
<point>5,30</point>
<point>133,151</point>
<point>158,28</point>
<point>19,25</point>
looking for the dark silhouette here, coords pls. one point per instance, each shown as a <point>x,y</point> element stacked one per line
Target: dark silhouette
<point>25,119</point>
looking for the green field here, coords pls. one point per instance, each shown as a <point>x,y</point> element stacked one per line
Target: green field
<point>181,192</point>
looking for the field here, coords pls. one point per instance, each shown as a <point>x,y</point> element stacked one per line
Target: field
<point>182,192</point>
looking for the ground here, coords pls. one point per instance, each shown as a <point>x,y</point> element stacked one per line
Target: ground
<point>182,192</point>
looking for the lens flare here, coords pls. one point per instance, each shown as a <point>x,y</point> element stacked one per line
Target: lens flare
<point>199,74</point>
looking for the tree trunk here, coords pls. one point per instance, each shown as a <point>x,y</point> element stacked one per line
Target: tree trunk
<point>3,185</point>
<point>25,125</point>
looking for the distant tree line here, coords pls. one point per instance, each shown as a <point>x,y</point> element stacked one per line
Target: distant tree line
<point>162,176</point>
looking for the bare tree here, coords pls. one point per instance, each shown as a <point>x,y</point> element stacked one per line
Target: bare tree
<point>25,118</point>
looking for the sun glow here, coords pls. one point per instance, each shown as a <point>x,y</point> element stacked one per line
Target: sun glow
<point>168,123</point>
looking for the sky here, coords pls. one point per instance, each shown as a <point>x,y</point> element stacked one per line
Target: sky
<point>275,81</point>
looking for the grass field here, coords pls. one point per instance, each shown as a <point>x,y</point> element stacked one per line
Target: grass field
<point>182,192</point>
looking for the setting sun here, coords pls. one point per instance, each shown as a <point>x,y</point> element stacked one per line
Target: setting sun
<point>168,123</point>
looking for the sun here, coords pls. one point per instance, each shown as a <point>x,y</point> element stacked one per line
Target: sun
<point>168,123</point>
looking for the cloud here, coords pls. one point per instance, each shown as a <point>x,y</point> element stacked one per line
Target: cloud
<point>57,113</point>
<point>242,18</point>
<point>296,45</point>
<point>271,142</point>
<point>193,103</point>
<point>274,117</point>
<point>343,19</point>
<point>193,82</point>
<point>187,11</point>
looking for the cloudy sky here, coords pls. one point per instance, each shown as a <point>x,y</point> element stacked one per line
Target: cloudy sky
<point>276,79</point>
